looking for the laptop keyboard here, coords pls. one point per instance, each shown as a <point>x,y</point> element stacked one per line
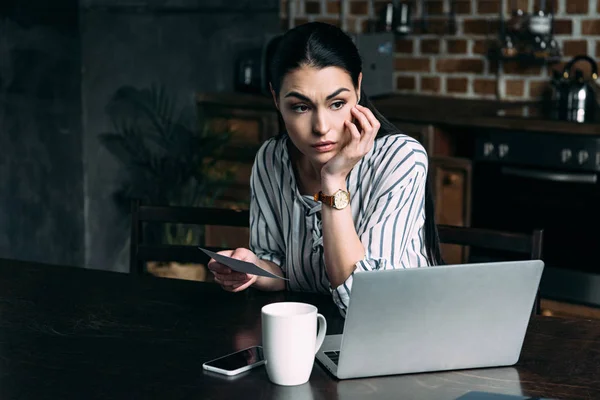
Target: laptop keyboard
<point>333,356</point>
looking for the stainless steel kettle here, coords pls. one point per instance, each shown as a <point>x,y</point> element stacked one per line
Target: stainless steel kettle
<point>576,97</point>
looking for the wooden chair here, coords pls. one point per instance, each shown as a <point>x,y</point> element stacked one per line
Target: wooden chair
<point>141,252</point>
<point>518,243</point>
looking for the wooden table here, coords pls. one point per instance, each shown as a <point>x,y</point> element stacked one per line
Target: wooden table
<point>70,333</point>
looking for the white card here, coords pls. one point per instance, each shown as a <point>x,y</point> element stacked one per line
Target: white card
<point>241,266</point>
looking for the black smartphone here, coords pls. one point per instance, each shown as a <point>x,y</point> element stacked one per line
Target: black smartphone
<point>238,362</point>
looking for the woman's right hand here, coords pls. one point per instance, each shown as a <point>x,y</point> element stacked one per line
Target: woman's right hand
<point>230,280</point>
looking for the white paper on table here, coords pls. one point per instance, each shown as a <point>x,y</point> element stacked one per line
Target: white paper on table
<point>241,266</point>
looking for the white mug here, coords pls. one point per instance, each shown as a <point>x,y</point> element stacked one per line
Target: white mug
<point>290,341</point>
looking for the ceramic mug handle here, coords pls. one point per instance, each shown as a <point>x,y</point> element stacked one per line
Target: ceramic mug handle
<point>322,330</point>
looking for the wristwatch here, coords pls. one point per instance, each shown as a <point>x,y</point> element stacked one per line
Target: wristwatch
<point>338,200</point>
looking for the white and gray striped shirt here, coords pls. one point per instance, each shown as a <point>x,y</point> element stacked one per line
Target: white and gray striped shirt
<point>387,199</point>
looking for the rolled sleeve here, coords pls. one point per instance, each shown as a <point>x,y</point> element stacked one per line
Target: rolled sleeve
<point>391,225</point>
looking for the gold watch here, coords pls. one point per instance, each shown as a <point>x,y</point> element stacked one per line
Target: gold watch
<point>338,200</point>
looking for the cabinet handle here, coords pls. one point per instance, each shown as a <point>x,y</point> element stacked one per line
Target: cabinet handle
<point>450,179</point>
<point>550,176</point>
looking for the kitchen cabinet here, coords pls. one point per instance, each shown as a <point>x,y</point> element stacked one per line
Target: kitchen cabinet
<point>449,180</point>
<point>250,120</point>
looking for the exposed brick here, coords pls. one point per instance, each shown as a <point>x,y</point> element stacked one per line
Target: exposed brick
<point>484,86</point>
<point>430,46</point>
<point>456,46</point>
<point>577,6</point>
<point>573,48</point>
<point>517,5</point>
<point>430,83</point>
<point>515,88</point>
<point>412,64</point>
<point>295,4</point>
<point>359,7</point>
<point>300,21</point>
<point>462,7</point>
<point>368,25</point>
<point>312,7</point>
<point>434,7</point>
<point>333,7</point>
<point>472,65</point>
<point>551,6</point>
<point>480,46</point>
<point>590,27</point>
<point>405,46</point>
<point>488,6</point>
<point>332,21</point>
<point>456,85</point>
<point>406,83</point>
<point>434,25</point>
<point>563,27</point>
<point>514,68</point>
<point>379,7</point>
<point>480,26</point>
<point>351,21</point>
<point>537,88</point>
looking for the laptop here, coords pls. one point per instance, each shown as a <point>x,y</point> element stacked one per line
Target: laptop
<point>434,319</point>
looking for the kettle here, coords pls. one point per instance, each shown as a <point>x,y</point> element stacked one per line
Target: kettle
<point>572,97</point>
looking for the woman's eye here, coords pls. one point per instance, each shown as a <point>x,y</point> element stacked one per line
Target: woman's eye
<point>337,105</point>
<point>300,108</point>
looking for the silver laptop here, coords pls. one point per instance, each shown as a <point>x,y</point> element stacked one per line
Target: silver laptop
<point>434,319</point>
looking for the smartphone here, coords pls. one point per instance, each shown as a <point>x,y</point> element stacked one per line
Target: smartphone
<point>235,363</point>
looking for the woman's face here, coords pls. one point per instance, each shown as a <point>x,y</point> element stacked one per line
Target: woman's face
<point>314,104</point>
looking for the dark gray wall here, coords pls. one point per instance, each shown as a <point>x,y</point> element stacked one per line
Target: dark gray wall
<point>188,46</point>
<point>59,65</point>
<point>41,192</point>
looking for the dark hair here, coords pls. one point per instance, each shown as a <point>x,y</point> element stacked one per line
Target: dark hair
<point>320,45</point>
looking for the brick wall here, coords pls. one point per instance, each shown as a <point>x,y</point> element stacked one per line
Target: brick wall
<point>455,65</point>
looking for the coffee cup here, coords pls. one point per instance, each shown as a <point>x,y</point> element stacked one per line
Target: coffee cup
<point>290,341</point>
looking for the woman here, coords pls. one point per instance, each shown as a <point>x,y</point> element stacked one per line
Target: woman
<point>341,191</point>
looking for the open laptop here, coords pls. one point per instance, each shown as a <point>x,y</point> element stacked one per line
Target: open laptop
<point>434,319</point>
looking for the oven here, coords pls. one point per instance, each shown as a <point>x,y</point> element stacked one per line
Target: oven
<point>523,181</point>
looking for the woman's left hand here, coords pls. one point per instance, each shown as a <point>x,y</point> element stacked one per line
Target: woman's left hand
<point>359,144</point>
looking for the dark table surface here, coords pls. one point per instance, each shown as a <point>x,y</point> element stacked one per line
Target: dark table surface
<point>84,334</point>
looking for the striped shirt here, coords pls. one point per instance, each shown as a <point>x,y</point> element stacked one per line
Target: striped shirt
<point>387,199</point>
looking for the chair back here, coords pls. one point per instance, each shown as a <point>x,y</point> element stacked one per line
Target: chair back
<point>141,252</point>
<point>528,245</point>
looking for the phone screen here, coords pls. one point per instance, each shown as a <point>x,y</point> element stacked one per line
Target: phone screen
<point>239,359</point>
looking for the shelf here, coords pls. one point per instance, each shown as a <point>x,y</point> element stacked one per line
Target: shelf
<point>524,58</point>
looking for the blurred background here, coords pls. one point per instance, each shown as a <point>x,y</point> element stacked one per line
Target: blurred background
<point>103,101</point>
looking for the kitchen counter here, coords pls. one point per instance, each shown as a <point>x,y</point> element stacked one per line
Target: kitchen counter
<point>440,111</point>
<point>443,111</point>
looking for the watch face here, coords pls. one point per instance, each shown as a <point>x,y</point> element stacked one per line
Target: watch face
<point>340,199</point>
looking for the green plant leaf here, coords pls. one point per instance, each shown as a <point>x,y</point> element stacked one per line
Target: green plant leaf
<point>168,153</point>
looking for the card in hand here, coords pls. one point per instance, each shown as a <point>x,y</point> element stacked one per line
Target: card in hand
<point>240,266</point>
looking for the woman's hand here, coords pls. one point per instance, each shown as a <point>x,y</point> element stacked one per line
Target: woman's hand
<point>231,280</point>
<point>359,144</point>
